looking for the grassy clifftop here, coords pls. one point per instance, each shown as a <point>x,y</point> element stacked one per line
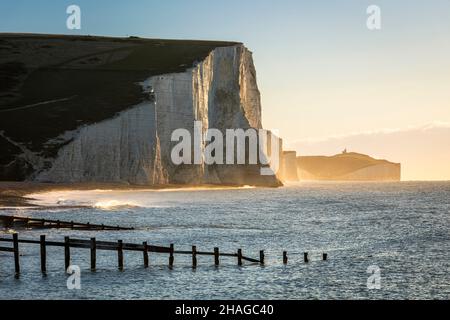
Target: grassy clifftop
<point>50,84</point>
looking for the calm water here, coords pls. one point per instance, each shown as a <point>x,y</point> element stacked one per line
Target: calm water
<point>403,228</point>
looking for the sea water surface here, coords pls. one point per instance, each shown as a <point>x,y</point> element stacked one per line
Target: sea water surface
<point>401,228</point>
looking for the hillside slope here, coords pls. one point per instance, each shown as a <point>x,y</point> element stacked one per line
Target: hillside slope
<point>347,166</point>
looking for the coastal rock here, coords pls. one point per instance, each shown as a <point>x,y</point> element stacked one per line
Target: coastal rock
<point>113,118</point>
<point>123,149</point>
<point>288,170</point>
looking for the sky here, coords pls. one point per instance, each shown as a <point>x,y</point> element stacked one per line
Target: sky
<point>322,73</point>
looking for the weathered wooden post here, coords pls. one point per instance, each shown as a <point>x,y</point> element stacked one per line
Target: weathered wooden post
<point>43,255</point>
<point>93,254</point>
<point>239,256</point>
<point>120,254</point>
<point>285,257</point>
<point>194,257</point>
<point>58,224</point>
<point>67,252</point>
<point>145,254</point>
<point>325,257</point>
<point>261,257</point>
<point>8,222</point>
<point>171,258</point>
<point>16,254</point>
<point>216,257</point>
<point>305,257</point>
<point>71,225</point>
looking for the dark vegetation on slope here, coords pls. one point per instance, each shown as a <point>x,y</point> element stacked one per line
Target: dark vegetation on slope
<point>50,84</point>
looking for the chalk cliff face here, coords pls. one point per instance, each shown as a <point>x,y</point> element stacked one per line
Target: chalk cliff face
<point>135,145</point>
<point>288,170</point>
<point>222,93</point>
<point>123,149</point>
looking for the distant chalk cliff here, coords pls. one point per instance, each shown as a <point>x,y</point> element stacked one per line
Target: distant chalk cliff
<point>349,166</point>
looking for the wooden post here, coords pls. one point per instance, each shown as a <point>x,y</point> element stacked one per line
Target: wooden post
<point>71,225</point>
<point>43,255</point>
<point>145,254</point>
<point>58,224</point>
<point>239,255</point>
<point>16,254</point>
<point>216,257</point>
<point>325,257</point>
<point>261,257</point>
<point>305,257</point>
<point>9,222</point>
<point>194,257</point>
<point>285,257</point>
<point>120,254</point>
<point>93,254</point>
<point>67,252</point>
<point>171,258</point>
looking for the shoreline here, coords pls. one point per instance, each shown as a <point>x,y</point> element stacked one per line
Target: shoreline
<point>14,194</point>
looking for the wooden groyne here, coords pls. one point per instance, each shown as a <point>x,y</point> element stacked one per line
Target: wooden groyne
<point>119,247</point>
<point>27,222</point>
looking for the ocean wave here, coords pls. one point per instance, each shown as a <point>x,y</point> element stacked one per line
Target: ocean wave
<point>115,205</point>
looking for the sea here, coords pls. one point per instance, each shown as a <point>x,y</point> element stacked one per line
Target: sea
<point>382,240</point>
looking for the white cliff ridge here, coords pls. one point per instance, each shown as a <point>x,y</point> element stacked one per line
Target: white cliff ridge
<point>135,147</point>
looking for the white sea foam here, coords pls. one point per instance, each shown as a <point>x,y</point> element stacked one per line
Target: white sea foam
<point>114,199</point>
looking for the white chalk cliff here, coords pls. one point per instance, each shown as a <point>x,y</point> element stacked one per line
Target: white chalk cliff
<point>135,146</point>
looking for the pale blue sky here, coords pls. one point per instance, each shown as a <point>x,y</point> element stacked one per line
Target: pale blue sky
<point>320,70</point>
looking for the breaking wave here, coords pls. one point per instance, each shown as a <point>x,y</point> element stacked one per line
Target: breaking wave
<point>120,199</point>
<point>114,205</point>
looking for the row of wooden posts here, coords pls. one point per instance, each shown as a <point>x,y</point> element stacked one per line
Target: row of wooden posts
<point>305,257</point>
<point>12,221</point>
<point>120,247</point>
